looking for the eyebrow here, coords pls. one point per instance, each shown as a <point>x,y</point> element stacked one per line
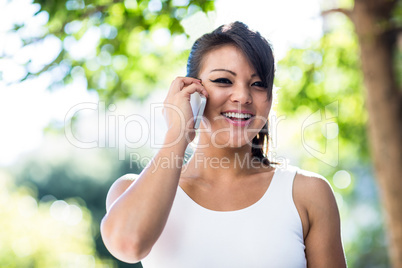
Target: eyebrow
<point>223,70</point>
<point>229,71</point>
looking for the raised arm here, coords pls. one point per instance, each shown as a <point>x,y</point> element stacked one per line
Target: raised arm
<point>323,239</point>
<point>137,210</point>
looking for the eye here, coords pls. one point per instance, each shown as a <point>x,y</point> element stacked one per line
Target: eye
<point>259,84</point>
<point>222,81</point>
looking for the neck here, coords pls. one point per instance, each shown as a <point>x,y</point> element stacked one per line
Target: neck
<point>224,164</point>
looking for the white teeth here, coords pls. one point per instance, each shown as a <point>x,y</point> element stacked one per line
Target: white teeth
<point>237,115</point>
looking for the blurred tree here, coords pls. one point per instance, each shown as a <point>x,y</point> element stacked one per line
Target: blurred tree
<point>315,77</point>
<point>325,78</point>
<point>378,26</point>
<point>45,233</point>
<point>122,48</point>
<point>60,171</point>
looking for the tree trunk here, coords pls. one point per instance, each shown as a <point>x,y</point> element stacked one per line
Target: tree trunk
<point>383,101</point>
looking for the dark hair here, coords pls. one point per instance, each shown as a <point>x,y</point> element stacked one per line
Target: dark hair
<point>259,53</point>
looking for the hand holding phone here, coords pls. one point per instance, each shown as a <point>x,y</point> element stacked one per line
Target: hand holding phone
<point>197,102</point>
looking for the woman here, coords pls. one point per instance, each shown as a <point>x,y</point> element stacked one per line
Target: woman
<point>228,206</point>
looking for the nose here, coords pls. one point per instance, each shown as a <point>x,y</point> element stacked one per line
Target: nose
<point>241,94</point>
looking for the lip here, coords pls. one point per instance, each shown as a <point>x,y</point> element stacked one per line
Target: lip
<point>239,123</point>
<point>239,111</point>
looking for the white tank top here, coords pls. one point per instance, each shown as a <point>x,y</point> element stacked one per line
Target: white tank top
<point>266,234</point>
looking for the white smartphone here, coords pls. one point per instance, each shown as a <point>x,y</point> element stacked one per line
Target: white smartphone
<point>198,103</point>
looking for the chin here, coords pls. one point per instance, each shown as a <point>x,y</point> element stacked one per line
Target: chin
<point>232,141</point>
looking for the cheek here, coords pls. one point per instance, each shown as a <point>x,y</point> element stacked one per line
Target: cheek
<point>264,105</point>
<point>268,108</point>
<point>215,100</point>
<point>263,110</point>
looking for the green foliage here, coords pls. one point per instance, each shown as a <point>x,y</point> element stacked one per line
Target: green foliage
<point>45,233</point>
<point>60,171</point>
<point>121,48</point>
<point>326,77</point>
<point>327,73</point>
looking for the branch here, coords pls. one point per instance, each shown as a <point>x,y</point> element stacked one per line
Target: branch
<point>81,14</point>
<point>398,30</point>
<point>347,12</point>
<point>392,34</point>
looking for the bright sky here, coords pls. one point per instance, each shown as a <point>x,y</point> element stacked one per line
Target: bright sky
<point>26,108</point>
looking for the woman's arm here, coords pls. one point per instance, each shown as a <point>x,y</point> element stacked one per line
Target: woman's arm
<point>137,211</point>
<point>323,239</point>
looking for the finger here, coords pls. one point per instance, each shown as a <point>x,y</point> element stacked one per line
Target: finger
<point>180,82</point>
<point>201,89</point>
<point>195,88</point>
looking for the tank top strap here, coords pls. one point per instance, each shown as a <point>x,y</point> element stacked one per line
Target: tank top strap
<point>284,184</point>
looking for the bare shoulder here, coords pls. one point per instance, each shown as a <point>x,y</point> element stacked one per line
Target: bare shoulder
<point>322,222</point>
<point>314,194</point>
<point>118,188</point>
<point>312,186</point>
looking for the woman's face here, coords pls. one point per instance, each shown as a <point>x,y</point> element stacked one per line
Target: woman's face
<point>238,105</point>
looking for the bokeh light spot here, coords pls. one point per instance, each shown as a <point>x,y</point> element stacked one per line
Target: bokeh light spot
<point>330,130</point>
<point>27,206</point>
<point>342,179</point>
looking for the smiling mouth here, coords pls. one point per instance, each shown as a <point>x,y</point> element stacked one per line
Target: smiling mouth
<point>237,116</point>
